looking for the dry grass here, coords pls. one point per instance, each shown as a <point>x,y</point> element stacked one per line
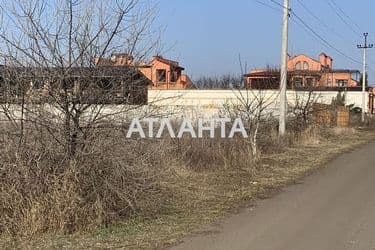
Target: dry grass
<point>110,180</point>
<point>179,198</point>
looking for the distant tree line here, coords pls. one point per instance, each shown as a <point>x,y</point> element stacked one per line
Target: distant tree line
<point>226,81</point>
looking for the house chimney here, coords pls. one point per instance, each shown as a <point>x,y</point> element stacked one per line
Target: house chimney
<point>329,62</point>
<point>323,59</point>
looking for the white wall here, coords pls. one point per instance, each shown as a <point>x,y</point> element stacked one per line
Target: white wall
<point>209,102</point>
<point>196,103</point>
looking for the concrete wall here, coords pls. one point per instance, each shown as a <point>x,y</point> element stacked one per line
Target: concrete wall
<point>193,103</point>
<point>197,103</point>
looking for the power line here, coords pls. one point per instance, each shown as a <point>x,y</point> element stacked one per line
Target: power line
<point>277,3</point>
<point>317,35</point>
<point>324,40</point>
<point>345,14</point>
<point>334,7</point>
<point>268,5</point>
<point>330,28</point>
<point>310,30</point>
<point>321,21</point>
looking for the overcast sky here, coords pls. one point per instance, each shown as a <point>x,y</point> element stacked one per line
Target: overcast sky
<point>209,35</point>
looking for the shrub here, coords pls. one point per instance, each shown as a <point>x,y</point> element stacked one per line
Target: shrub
<point>112,179</point>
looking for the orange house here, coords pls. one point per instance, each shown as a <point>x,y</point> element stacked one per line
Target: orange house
<point>163,73</point>
<point>304,71</point>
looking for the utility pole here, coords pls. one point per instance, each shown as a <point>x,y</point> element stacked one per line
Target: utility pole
<point>284,69</point>
<point>364,47</point>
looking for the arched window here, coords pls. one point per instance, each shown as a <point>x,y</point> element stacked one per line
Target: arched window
<point>298,66</point>
<point>306,66</point>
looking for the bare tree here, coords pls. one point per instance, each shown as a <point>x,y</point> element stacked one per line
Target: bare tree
<point>48,49</point>
<point>254,106</point>
<point>302,109</point>
<point>226,81</point>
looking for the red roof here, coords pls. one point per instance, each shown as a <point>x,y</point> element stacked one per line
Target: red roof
<point>169,62</point>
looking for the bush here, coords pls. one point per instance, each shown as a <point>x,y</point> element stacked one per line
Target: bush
<point>208,154</point>
<point>112,179</point>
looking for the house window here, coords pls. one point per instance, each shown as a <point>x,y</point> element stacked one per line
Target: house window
<point>174,76</point>
<point>306,66</point>
<point>161,75</point>
<point>297,82</point>
<point>309,82</point>
<point>341,83</point>
<point>298,66</point>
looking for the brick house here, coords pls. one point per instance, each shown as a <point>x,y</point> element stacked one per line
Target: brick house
<point>85,85</point>
<point>163,73</point>
<point>304,71</point>
<point>166,74</point>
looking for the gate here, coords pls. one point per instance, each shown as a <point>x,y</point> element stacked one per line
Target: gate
<point>371,103</point>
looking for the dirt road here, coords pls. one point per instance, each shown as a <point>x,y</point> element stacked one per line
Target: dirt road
<point>333,209</point>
